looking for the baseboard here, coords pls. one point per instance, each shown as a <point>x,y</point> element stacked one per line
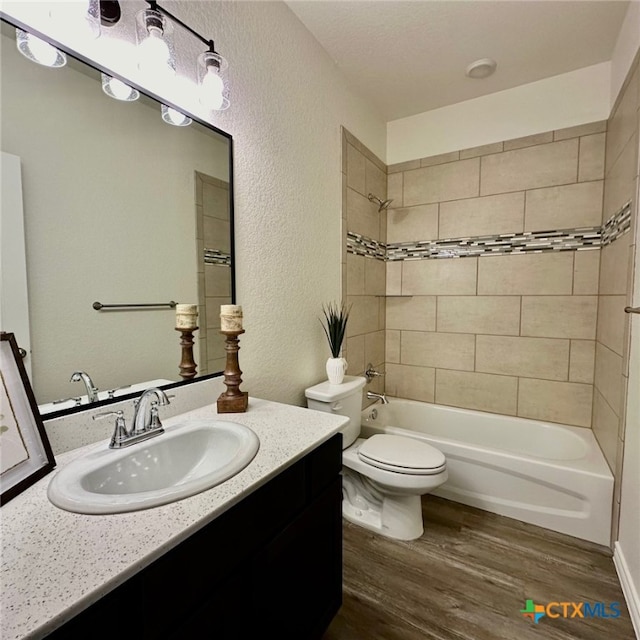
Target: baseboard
<point>628,588</point>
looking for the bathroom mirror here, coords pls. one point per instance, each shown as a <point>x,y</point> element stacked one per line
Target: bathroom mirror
<point>118,207</point>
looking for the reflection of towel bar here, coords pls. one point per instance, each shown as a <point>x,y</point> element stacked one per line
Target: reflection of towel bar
<point>98,305</point>
<point>632,309</point>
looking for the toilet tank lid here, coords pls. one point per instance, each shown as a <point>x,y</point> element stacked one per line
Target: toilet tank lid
<point>325,392</point>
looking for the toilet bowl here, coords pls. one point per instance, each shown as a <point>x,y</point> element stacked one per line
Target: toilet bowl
<point>383,476</point>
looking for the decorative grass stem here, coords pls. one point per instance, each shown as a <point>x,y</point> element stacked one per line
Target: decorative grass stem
<point>335,325</point>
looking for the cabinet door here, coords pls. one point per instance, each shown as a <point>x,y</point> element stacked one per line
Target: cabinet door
<point>297,582</point>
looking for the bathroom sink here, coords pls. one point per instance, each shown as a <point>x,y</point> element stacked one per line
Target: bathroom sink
<point>188,458</point>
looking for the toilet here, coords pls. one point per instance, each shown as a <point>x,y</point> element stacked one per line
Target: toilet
<point>383,476</point>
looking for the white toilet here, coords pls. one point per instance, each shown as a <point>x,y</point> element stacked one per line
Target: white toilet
<point>383,476</point>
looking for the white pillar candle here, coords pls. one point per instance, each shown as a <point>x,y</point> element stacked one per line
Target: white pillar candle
<point>186,316</point>
<point>230,317</point>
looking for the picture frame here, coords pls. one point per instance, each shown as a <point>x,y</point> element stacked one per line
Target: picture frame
<point>25,451</point>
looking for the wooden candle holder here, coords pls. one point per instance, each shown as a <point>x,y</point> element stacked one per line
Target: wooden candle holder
<point>232,400</point>
<point>188,367</point>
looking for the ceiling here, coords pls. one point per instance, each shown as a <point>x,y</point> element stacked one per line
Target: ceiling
<point>407,57</point>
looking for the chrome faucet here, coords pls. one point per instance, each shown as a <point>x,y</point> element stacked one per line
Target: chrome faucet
<point>92,390</point>
<point>145,415</point>
<point>146,422</point>
<point>372,395</point>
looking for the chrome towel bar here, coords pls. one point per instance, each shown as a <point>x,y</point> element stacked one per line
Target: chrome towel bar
<point>98,306</point>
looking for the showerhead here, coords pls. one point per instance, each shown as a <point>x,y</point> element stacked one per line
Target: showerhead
<point>383,205</point>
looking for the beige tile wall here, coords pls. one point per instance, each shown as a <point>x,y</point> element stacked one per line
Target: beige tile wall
<point>364,279</point>
<point>611,353</point>
<point>511,334</point>
<point>541,336</point>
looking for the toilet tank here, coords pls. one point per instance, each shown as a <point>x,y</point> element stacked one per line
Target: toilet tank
<point>341,399</point>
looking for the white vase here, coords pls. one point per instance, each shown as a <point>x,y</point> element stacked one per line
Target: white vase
<point>336,368</point>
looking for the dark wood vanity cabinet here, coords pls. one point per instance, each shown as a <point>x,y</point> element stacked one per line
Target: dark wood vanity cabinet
<point>269,567</point>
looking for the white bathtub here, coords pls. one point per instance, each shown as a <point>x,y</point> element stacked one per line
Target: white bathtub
<point>550,475</point>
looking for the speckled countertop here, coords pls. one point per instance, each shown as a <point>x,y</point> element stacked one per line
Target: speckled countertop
<point>56,563</point>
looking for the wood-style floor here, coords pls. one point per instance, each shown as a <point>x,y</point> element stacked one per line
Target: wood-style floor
<point>468,577</point>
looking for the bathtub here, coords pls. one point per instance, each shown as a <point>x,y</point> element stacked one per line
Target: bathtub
<point>550,475</point>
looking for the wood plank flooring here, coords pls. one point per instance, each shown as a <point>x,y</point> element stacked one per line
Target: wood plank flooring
<point>468,577</point>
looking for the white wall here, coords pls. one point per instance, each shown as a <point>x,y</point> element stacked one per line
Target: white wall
<point>625,49</point>
<point>566,100</point>
<point>288,101</point>
<point>628,545</point>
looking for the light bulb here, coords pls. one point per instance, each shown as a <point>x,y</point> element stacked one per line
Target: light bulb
<point>210,65</point>
<point>211,89</point>
<point>155,57</point>
<point>174,117</point>
<point>154,52</point>
<point>154,35</point>
<point>38,50</point>
<point>117,89</point>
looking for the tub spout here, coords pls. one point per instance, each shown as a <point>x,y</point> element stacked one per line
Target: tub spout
<point>371,395</point>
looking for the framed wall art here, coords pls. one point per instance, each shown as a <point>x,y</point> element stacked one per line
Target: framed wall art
<point>25,452</point>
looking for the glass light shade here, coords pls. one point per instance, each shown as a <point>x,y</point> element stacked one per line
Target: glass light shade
<point>210,66</point>
<point>177,119</point>
<point>78,17</point>
<point>38,50</point>
<point>154,37</point>
<point>118,90</point>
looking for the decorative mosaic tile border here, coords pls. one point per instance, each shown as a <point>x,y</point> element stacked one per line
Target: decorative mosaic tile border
<point>213,256</point>
<point>617,225</point>
<point>363,246</point>
<point>580,239</point>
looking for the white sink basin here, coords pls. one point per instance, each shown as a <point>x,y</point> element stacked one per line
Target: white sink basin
<point>188,458</point>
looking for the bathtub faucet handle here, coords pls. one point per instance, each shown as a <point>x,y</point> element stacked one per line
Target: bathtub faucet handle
<point>371,373</point>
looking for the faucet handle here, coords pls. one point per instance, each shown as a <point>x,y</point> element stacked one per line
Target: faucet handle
<point>77,400</point>
<point>371,373</point>
<point>120,432</point>
<point>106,414</point>
<point>111,392</point>
<point>154,422</point>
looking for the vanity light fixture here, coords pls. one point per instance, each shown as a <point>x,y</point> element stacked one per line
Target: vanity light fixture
<point>209,66</point>
<point>174,117</point>
<point>154,37</point>
<point>118,90</point>
<point>38,50</point>
<point>210,83</point>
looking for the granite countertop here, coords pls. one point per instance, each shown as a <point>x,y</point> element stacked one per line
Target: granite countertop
<point>56,563</point>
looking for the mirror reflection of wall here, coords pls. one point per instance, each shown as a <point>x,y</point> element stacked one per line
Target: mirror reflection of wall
<point>109,194</point>
<point>214,273</point>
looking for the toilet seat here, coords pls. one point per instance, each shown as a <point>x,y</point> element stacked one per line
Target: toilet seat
<point>401,455</point>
